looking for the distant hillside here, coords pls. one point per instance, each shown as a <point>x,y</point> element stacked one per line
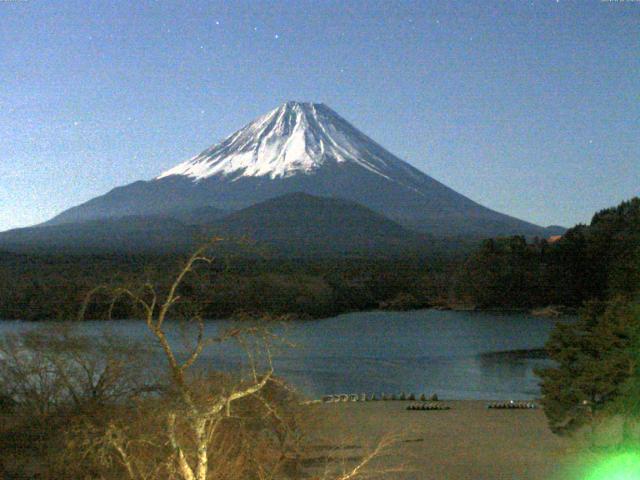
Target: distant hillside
<point>199,216</point>
<point>301,224</point>
<point>125,234</point>
<point>294,225</point>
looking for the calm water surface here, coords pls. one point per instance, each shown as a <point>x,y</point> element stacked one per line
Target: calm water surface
<point>428,351</point>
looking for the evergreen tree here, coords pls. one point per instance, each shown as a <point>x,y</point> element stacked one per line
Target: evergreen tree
<point>628,402</point>
<point>594,359</point>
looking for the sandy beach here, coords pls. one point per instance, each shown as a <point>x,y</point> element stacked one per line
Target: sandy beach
<point>468,441</point>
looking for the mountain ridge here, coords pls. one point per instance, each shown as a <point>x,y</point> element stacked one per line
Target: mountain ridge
<point>293,225</point>
<point>304,147</point>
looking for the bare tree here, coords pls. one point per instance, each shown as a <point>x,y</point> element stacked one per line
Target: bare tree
<point>51,379</point>
<point>206,424</point>
<point>197,410</point>
<point>48,368</point>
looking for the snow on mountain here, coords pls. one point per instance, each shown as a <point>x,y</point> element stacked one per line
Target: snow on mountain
<point>295,138</point>
<point>303,147</point>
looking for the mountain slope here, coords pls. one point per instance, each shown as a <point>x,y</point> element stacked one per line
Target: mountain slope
<point>294,225</point>
<point>121,234</point>
<point>304,147</point>
<point>299,224</point>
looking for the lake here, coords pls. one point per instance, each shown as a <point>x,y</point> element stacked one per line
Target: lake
<point>430,351</point>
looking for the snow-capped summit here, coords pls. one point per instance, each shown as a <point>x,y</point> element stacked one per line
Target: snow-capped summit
<point>295,138</point>
<point>308,148</point>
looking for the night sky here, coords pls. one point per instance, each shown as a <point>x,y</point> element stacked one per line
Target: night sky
<point>531,108</point>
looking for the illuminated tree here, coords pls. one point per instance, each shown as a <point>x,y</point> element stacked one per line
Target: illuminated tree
<point>202,427</point>
<point>593,360</point>
<point>628,402</point>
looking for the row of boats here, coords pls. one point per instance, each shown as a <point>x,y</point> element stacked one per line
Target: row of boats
<point>363,397</point>
<point>426,403</point>
<point>511,404</point>
<point>428,406</point>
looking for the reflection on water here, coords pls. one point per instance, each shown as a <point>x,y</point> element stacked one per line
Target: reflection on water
<point>422,351</point>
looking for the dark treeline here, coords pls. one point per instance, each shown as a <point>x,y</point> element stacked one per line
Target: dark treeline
<point>594,262</point>
<point>37,287</point>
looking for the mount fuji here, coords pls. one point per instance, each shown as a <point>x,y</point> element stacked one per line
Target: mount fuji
<point>308,148</point>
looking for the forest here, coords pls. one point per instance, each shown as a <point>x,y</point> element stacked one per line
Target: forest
<point>589,262</point>
<point>53,287</point>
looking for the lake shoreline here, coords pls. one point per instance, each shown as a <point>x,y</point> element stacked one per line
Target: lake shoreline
<point>449,353</point>
<point>547,312</point>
